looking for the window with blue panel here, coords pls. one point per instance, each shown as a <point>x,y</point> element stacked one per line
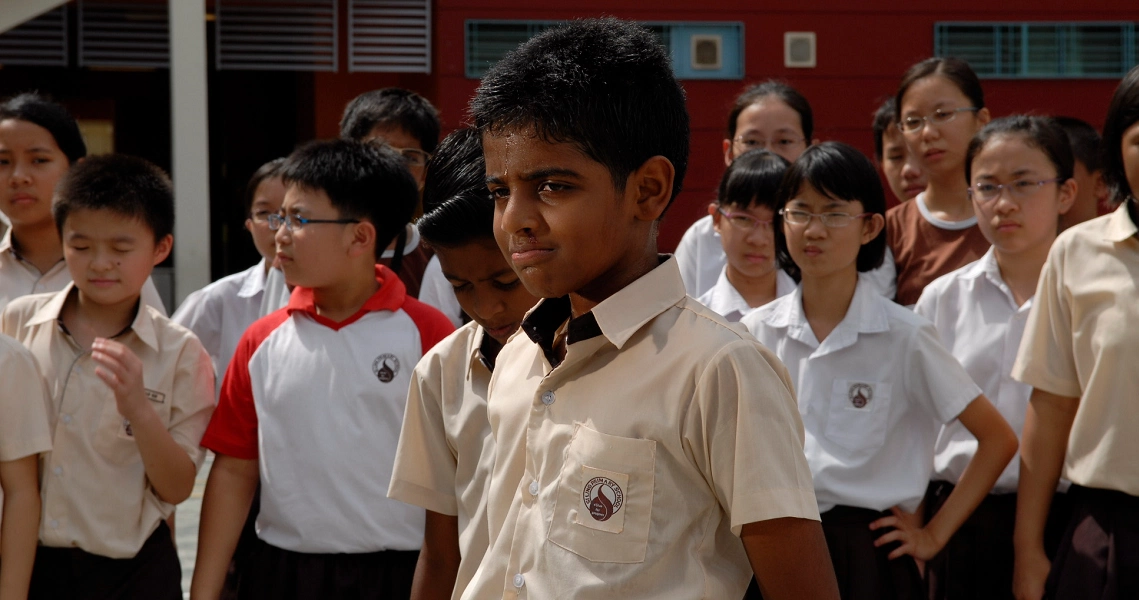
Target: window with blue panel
<point>1041,50</point>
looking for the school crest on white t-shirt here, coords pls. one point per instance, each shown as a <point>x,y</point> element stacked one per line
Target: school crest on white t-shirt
<point>860,394</point>
<point>386,367</point>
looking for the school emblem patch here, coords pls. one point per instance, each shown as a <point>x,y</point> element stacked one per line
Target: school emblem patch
<point>860,394</point>
<point>603,498</point>
<point>386,367</point>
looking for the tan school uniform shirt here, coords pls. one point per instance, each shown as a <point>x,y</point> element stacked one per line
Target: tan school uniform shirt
<point>94,487</point>
<point>23,406</point>
<point>1081,342</point>
<point>630,468</point>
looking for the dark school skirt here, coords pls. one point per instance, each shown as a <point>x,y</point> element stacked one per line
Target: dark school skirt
<point>274,573</point>
<point>978,560</point>
<point>74,574</point>
<point>1098,557</point>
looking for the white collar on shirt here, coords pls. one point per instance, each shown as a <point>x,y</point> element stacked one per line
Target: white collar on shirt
<point>866,314</point>
<point>987,268</point>
<point>253,282</point>
<point>726,300</point>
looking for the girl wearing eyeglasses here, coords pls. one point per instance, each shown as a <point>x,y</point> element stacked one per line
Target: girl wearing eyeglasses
<point>742,215</point>
<point>1020,170</point>
<point>1079,355</point>
<point>940,108</point>
<point>874,384</point>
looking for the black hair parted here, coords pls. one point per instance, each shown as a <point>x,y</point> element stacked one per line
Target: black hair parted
<point>753,179</point>
<point>955,70</point>
<point>392,107</point>
<point>604,85</point>
<point>783,91</point>
<point>38,109</point>
<point>1085,141</point>
<point>838,171</point>
<point>125,185</point>
<point>269,170</point>
<point>1122,113</point>
<point>1042,133</point>
<point>884,118</point>
<point>457,209</point>
<point>362,180</point>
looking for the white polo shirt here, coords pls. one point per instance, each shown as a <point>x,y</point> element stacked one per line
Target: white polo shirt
<point>726,300</point>
<point>446,451</point>
<point>979,322</point>
<point>220,312</point>
<point>319,404</point>
<point>436,291</point>
<point>873,396</point>
<point>19,277</point>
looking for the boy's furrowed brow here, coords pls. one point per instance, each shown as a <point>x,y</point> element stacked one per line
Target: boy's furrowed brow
<point>537,174</point>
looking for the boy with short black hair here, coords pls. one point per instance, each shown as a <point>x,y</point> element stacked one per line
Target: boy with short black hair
<point>1091,189</point>
<point>313,400</point>
<point>130,391</point>
<point>903,175</point>
<point>639,437</point>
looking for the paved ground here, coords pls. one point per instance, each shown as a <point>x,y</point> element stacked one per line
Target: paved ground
<point>186,526</point>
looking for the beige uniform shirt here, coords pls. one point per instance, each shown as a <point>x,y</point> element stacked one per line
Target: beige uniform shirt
<point>95,492</point>
<point>629,469</point>
<point>23,406</point>
<point>445,449</point>
<point>1081,342</point>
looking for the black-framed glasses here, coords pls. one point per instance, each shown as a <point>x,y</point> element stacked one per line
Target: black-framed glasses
<point>832,220</point>
<point>414,157</point>
<point>294,222</point>
<point>1017,190</point>
<point>940,116</point>
<point>745,222</point>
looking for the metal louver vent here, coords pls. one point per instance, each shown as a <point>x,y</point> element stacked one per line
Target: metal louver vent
<point>40,42</point>
<point>391,36</point>
<point>277,35</point>
<point>123,35</point>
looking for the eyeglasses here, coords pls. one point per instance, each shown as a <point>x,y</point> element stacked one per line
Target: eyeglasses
<point>745,222</point>
<point>779,143</point>
<point>940,116</point>
<point>832,220</point>
<point>414,157</point>
<point>293,222</point>
<point>1017,190</point>
<point>261,216</point>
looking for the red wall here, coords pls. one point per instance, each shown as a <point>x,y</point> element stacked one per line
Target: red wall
<point>862,53</point>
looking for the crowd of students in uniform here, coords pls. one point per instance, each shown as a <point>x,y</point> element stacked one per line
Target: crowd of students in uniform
<point>838,415</point>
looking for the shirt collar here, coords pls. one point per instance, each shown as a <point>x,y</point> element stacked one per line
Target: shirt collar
<point>726,299</point>
<point>254,281</point>
<point>484,351</point>
<point>142,325</point>
<point>6,242</point>
<point>1120,227</point>
<point>390,296</point>
<point>864,315</point>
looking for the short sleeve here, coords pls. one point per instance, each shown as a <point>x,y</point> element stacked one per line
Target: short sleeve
<point>935,378</point>
<point>433,325</point>
<point>24,428</point>
<point>193,401</point>
<point>745,433</point>
<point>1046,359</point>
<point>425,463</point>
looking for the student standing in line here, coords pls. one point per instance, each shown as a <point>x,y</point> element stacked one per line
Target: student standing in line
<point>313,399</point>
<point>871,421</point>
<point>1078,354</point>
<point>644,447</point>
<point>1091,189</point>
<point>940,107</point>
<point>39,142</point>
<point>446,451</point>
<point>24,434</point>
<point>899,166</point>
<point>1020,169</point>
<point>131,392</point>
<point>742,216</point>
<point>770,115</point>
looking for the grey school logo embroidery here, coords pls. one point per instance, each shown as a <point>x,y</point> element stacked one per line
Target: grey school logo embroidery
<point>603,498</point>
<point>386,367</point>
<point>860,394</point>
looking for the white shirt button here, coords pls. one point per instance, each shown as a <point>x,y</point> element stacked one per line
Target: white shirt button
<point>66,419</point>
<point>533,487</point>
<point>548,397</point>
<point>519,580</point>
<point>54,524</point>
<point>57,470</point>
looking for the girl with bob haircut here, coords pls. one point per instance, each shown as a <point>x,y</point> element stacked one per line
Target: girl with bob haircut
<point>1078,354</point>
<point>1020,173</point>
<point>940,107</point>
<point>870,423</point>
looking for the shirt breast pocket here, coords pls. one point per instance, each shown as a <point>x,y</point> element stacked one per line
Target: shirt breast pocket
<point>114,440</point>
<point>859,414</point>
<point>605,497</point>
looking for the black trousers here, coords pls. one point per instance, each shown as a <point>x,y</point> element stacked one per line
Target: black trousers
<point>277,574</point>
<point>1098,557</point>
<point>73,574</point>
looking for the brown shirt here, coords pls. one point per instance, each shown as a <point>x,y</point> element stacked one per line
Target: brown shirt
<point>926,247</point>
<point>96,495</point>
